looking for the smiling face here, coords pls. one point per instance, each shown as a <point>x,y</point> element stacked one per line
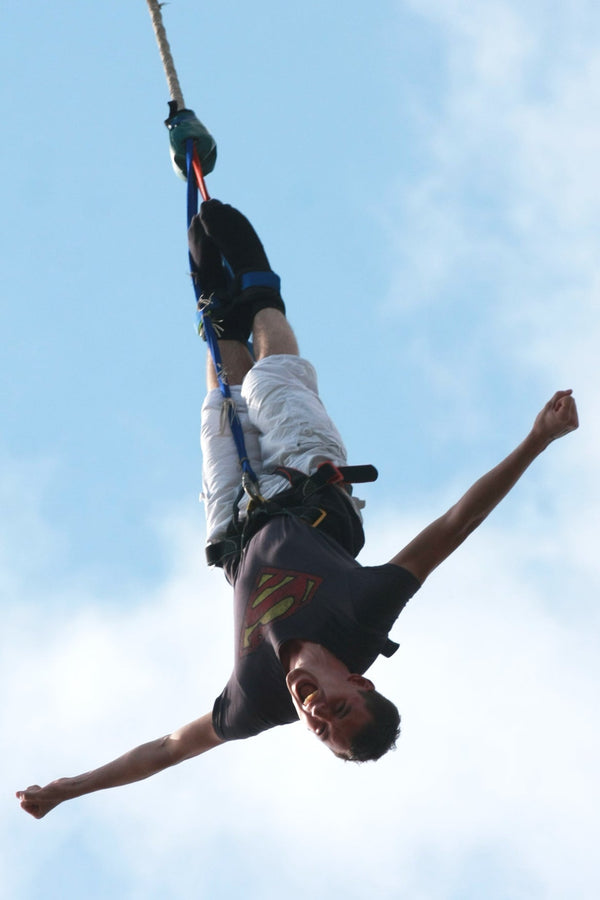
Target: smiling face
<point>330,700</point>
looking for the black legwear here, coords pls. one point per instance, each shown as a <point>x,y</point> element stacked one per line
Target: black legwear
<point>235,237</point>
<point>221,230</point>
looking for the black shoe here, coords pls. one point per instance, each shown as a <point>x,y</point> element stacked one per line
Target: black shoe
<point>245,284</point>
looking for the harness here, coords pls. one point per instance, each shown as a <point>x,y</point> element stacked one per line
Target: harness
<point>304,500</point>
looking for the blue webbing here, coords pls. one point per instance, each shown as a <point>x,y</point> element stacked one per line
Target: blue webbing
<point>249,479</point>
<point>260,279</point>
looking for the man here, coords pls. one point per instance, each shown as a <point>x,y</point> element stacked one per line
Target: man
<point>309,619</point>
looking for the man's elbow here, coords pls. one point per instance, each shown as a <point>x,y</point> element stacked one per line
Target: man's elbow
<point>171,751</point>
<point>460,524</point>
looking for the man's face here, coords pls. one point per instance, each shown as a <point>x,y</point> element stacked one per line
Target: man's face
<point>330,702</point>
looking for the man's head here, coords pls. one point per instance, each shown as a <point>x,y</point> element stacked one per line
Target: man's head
<point>380,734</point>
<point>343,709</point>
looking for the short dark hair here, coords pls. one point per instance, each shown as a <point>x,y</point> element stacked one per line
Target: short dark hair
<point>380,734</point>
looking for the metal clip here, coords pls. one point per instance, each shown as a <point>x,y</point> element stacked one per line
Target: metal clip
<point>252,489</point>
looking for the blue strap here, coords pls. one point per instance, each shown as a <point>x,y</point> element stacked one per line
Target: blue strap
<point>249,479</point>
<point>260,279</point>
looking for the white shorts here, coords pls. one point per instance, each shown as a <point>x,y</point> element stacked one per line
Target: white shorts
<point>284,424</point>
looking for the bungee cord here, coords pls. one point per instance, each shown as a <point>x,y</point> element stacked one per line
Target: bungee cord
<point>194,153</point>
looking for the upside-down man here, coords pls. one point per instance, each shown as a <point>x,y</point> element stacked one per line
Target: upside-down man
<point>309,619</point>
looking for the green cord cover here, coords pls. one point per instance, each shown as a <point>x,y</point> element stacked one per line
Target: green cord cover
<point>182,126</point>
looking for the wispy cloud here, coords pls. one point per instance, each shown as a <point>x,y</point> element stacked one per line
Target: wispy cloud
<point>500,223</point>
<point>494,790</point>
<point>497,761</point>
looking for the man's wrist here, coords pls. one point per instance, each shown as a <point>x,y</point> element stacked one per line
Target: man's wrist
<point>64,789</point>
<point>537,441</point>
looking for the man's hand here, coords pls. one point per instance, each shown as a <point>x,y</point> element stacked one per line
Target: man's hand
<point>38,801</point>
<point>557,418</point>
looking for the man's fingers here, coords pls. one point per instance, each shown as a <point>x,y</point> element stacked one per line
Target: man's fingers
<point>30,801</point>
<point>563,404</point>
<point>567,409</point>
<point>559,416</point>
<point>573,416</point>
<point>559,395</point>
<point>32,789</point>
<point>566,413</point>
<point>33,809</point>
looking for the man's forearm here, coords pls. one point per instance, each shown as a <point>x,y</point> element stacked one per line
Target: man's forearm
<point>557,418</point>
<point>436,542</point>
<point>483,496</point>
<point>147,759</point>
<point>135,765</point>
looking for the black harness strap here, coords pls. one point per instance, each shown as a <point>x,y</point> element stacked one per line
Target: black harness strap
<point>295,501</point>
<point>328,473</point>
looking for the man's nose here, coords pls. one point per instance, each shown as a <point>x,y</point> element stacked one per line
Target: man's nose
<point>320,711</point>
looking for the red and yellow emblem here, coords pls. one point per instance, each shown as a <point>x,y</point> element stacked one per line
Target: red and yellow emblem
<point>278,593</point>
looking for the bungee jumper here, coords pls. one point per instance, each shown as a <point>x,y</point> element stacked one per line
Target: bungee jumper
<point>282,520</point>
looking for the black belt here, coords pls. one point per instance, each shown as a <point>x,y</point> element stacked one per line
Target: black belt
<point>293,501</point>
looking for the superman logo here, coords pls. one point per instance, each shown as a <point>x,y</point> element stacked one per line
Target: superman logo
<point>278,593</point>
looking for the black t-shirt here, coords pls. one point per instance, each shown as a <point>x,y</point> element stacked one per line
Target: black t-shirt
<point>296,582</point>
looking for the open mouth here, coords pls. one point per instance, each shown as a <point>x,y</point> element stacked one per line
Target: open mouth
<point>306,691</point>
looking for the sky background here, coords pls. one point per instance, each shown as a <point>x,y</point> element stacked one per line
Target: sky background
<point>425,179</point>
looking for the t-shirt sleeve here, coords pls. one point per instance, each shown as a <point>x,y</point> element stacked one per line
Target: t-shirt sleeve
<point>235,718</point>
<point>218,718</point>
<point>232,718</point>
<point>388,590</point>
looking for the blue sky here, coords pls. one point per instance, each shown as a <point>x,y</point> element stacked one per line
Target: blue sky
<point>425,179</point>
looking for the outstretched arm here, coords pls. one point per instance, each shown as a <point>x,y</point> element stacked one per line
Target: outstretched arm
<point>436,542</point>
<point>145,760</point>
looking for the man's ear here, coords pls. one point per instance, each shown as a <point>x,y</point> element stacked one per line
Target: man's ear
<point>365,684</point>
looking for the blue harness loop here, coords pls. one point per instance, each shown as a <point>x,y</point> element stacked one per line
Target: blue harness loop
<point>260,279</point>
<point>249,479</point>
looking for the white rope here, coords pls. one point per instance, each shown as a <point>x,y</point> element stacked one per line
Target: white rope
<point>165,52</point>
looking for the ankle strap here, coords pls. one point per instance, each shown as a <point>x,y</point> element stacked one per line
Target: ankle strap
<point>259,279</point>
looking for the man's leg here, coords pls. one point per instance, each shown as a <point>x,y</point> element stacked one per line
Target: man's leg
<point>284,406</point>
<point>236,361</point>
<point>221,471</point>
<point>280,391</point>
<point>273,335</point>
<point>283,418</point>
<point>222,232</point>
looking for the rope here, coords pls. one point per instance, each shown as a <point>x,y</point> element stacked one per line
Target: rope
<point>165,52</point>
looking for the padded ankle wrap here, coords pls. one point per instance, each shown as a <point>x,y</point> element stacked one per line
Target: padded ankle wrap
<point>259,279</point>
<point>252,291</point>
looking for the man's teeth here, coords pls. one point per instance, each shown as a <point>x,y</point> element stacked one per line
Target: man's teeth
<point>307,700</point>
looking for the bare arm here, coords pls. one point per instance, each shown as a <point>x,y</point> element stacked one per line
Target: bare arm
<point>145,760</point>
<point>436,542</point>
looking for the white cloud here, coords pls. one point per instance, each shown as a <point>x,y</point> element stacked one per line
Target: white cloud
<point>494,790</point>
<point>501,220</point>
<point>495,681</point>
